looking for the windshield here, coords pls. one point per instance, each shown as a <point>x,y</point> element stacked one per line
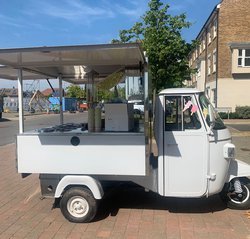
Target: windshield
<point>204,102</point>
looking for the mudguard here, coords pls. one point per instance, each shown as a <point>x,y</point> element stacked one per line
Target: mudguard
<point>238,169</point>
<point>70,180</point>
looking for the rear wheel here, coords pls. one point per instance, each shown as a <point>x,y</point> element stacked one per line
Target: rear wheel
<point>236,200</point>
<point>78,205</point>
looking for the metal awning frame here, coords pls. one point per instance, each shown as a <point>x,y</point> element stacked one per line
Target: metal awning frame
<point>60,63</point>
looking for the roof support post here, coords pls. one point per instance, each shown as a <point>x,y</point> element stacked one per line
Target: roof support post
<point>61,99</point>
<point>20,99</point>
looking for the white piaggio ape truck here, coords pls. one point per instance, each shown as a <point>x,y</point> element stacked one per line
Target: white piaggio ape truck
<point>195,156</point>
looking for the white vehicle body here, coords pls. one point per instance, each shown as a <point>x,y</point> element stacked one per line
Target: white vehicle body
<point>195,155</point>
<point>138,105</point>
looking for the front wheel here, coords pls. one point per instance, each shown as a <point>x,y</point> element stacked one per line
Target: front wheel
<point>78,205</point>
<point>234,200</point>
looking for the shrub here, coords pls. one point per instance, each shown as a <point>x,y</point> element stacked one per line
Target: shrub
<point>232,115</point>
<point>223,115</point>
<point>243,112</point>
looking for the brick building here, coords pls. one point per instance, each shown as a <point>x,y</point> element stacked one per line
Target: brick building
<point>222,57</point>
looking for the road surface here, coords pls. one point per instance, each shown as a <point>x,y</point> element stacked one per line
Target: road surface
<point>9,127</point>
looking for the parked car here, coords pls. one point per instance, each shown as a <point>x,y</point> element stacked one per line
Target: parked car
<point>138,106</point>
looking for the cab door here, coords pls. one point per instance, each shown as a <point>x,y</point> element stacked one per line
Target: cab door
<point>185,147</point>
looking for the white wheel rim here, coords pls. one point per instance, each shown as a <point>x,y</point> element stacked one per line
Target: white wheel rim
<point>78,206</point>
<point>247,197</point>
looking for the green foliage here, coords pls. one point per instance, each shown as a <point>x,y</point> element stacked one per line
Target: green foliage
<point>243,112</point>
<point>121,92</point>
<point>75,91</point>
<point>160,35</point>
<point>231,115</point>
<point>107,95</point>
<point>104,95</point>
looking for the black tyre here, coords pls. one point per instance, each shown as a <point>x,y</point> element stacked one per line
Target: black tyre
<point>137,112</point>
<point>237,201</point>
<point>78,205</point>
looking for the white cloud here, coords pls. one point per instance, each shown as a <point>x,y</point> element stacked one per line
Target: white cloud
<point>72,10</point>
<point>78,11</point>
<point>136,10</point>
<point>135,13</point>
<point>9,21</point>
<point>20,23</point>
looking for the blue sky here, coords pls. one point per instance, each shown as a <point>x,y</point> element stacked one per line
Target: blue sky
<point>68,22</point>
<point>72,22</point>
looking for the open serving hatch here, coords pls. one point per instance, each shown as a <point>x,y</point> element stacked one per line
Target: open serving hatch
<point>102,65</point>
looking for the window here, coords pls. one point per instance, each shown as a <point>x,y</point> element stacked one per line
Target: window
<point>208,91</point>
<point>213,96</point>
<point>194,56</point>
<point>244,57</point>
<point>200,47</point>
<point>204,43</point>
<point>209,39</point>
<point>215,29</point>
<point>199,69</point>
<point>209,64</point>
<point>173,113</point>
<point>204,103</point>
<point>240,57</point>
<point>181,113</point>
<point>214,60</point>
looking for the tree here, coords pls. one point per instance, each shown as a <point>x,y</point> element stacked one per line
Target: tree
<point>107,95</point>
<point>167,51</point>
<point>75,91</point>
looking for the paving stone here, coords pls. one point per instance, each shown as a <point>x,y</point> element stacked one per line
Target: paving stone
<point>24,215</point>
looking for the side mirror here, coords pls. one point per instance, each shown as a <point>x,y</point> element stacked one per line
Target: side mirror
<point>211,116</point>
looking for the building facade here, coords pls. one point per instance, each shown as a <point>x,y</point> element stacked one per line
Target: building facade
<point>222,56</point>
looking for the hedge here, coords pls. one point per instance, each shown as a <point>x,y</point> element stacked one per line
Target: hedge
<point>241,112</point>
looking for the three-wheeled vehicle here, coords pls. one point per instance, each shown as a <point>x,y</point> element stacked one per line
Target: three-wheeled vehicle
<point>195,156</point>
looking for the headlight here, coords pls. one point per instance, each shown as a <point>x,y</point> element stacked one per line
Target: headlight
<point>229,151</point>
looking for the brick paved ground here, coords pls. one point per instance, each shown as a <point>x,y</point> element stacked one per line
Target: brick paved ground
<point>124,214</point>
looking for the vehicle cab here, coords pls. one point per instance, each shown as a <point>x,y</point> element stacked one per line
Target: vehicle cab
<point>195,152</point>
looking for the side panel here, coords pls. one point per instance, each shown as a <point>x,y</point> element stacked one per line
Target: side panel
<point>183,149</point>
<point>237,169</point>
<point>185,164</point>
<point>95,154</point>
<point>219,166</point>
<point>158,131</point>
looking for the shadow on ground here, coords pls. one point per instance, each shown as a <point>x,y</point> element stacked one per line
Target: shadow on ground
<point>137,198</point>
<point>4,120</point>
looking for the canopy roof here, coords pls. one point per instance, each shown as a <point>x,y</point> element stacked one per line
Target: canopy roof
<point>72,63</point>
